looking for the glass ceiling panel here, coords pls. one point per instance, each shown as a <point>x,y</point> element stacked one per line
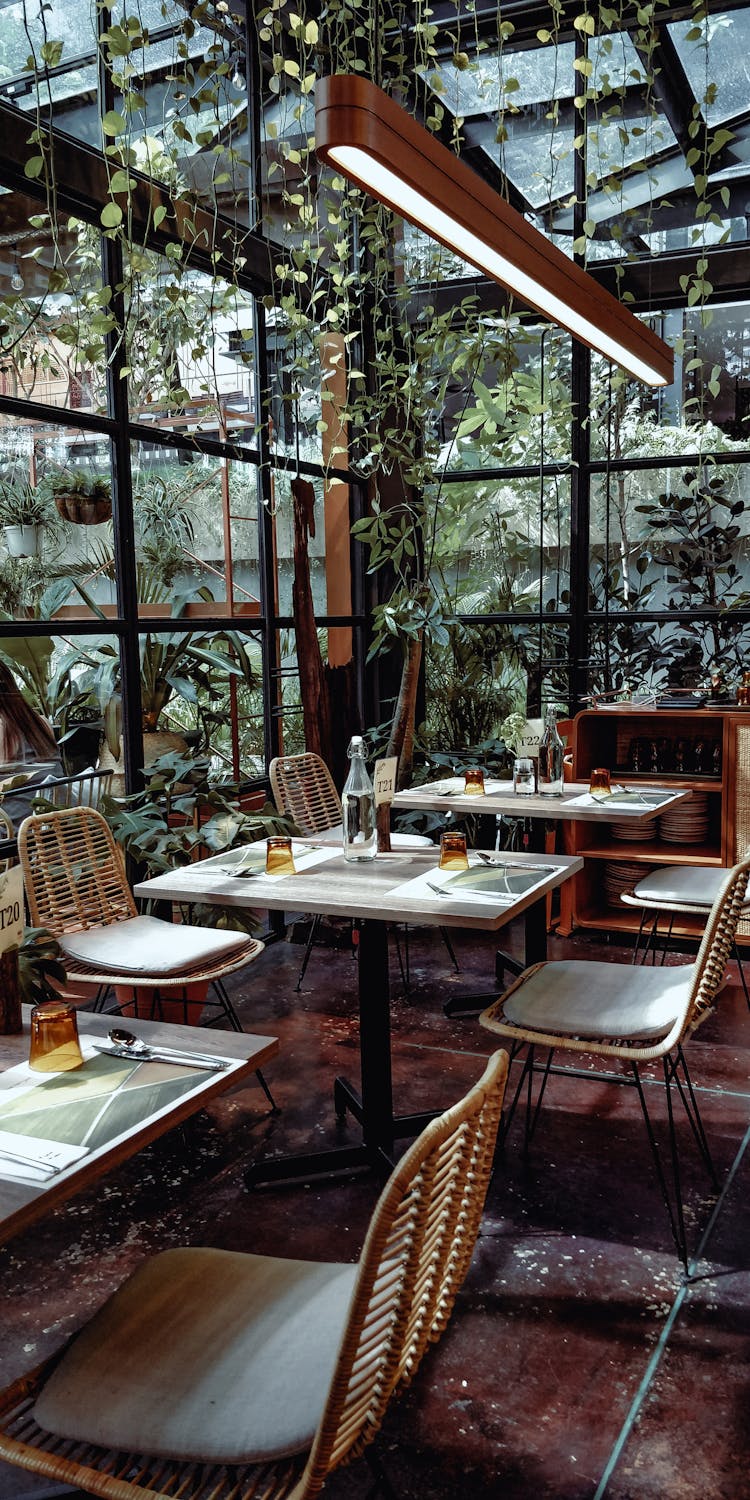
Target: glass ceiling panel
<point>716,62</point>
<point>539,76</point>
<point>72,22</point>
<point>538,157</point>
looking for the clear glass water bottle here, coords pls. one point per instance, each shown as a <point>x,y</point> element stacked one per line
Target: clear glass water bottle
<point>358,806</point>
<point>550,759</point>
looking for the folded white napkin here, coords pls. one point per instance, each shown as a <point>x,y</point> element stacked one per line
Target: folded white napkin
<point>45,1158</point>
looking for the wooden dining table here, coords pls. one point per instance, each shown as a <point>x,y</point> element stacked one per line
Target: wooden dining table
<point>117,1106</point>
<point>575,805</point>
<point>394,887</point>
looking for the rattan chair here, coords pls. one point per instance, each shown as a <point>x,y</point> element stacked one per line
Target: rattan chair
<point>670,892</point>
<point>303,790</point>
<point>631,1015</point>
<point>246,1376</point>
<point>76,887</point>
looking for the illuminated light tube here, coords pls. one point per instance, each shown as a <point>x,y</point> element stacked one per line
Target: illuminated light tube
<point>367,137</point>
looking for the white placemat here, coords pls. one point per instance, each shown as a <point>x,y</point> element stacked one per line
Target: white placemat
<point>420,888</point>
<point>652,800</point>
<point>455,786</point>
<point>223,867</point>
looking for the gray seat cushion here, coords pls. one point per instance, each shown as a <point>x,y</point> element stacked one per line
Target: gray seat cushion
<point>600,1000</point>
<point>698,885</point>
<point>205,1354</point>
<point>145,945</point>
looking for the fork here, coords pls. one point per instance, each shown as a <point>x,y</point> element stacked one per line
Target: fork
<point>494,896</point>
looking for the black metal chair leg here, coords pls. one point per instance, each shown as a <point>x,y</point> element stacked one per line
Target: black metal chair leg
<point>445,935</point>
<point>639,935</point>
<point>687,1094</point>
<point>403,967</point>
<point>308,949</point>
<point>676,1221</point>
<point>227,1005</point>
<point>276,1108</point>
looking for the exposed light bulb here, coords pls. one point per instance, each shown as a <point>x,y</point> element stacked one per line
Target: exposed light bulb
<point>16,279</point>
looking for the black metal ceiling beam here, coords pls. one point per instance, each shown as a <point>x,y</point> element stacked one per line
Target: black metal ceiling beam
<point>653,283</point>
<point>82,186</point>
<point>674,95</point>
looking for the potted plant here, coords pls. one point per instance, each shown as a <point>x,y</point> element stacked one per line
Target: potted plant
<point>24,510</point>
<point>80,496</point>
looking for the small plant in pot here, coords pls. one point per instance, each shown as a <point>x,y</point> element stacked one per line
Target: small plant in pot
<point>24,511</point>
<point>80,496</point>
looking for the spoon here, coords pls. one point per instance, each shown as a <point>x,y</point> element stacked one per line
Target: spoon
<point>135,1045</point>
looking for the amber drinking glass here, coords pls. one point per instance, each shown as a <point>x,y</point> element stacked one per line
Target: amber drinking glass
<point>279,857</point>
<point>599,786</point>
<point>54,1038</point>
<point>474,782</point>
<point>453,854</point>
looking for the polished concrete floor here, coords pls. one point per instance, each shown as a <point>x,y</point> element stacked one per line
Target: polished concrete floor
<point>579,1362</point>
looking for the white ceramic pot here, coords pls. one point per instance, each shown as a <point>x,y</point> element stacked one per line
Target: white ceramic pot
<point>23,541</point>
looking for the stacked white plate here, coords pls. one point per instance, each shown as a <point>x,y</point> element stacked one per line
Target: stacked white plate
<point>687,823</point>
<point>622,875</point>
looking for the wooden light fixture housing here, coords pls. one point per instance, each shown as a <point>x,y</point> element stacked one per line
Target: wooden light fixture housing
<point>365,135</point>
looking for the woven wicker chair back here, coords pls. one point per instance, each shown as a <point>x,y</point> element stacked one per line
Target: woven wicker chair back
<point>303,790</point>
<point>717,943</point>
<point>416,1255</point>
<point>73,871</point>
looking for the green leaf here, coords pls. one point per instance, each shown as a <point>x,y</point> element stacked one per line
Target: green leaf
<point>34,166</point>
<point>111,216</point>
<point>113,123</point>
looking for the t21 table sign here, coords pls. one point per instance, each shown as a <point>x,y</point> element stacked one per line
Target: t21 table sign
<point>385,779</point>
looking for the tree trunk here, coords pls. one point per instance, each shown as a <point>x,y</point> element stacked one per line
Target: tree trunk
<point>401,741</point>
<point>316,716</point>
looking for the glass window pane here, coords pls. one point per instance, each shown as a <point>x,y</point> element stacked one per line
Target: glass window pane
<point>488,545</point>
<point>196,532</point>
<point>513,406</point>
<point>53,322</point>
<point>710,60</point>
<point>55,504</point>
<point>190,350</point>
<point>675,539</point>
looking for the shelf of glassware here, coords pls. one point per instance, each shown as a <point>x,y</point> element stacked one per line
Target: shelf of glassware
<point>620,740</point>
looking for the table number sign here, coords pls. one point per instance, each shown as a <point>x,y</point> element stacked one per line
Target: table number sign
<point>385,779</point>
<point>528,743</point>
<point>386,772</point>
<point>11,934</point>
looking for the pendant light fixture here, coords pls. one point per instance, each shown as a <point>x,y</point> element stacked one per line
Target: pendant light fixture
<point>16,278</point>
<point>365,135</point>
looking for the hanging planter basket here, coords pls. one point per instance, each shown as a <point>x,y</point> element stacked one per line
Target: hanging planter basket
<point>84,510</point>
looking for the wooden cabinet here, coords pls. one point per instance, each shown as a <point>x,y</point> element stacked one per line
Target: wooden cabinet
<point>706,749</point>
